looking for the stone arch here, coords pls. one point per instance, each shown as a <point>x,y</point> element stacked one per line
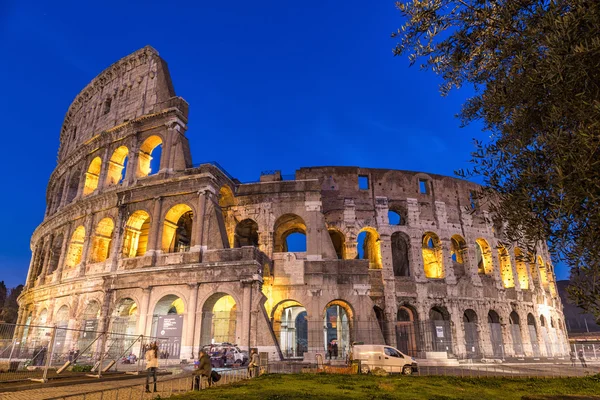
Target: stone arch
<point>485,265</point>
<point>73,187</point>
<point>137,232</point>
<point>177,229</point>
<point>339,242</point>
<point>286,225</point>
<point>440,333</point>
<point>289,319</point>
<point>458,252</point>
<point>470,326</point>
<point>520,260</point>
<point>496,339</point>
<point>514,321</point>
<point>75,249</point>
<point>150,146</point>
<point>371,247</point>
<point>400,252</point>
<point>116,166</point>
<point>219,319</point>
<point>92,176</point>
<point>246,233</point>
<point>101,243</point>
<point>55,252</point>
<point>508,279</point>
<point>432,256</point>
<point>338,324</point>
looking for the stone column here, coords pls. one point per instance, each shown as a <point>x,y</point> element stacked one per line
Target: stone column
<point>155,228</point>
<point>188,346</point>
<point>199,222</point>
<point>143,329</point>
<point>87,243</point>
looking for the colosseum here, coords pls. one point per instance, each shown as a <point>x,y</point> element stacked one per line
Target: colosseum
<point>136,237</point>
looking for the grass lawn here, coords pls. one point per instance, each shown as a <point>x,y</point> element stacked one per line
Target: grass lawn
<point>331,387</point>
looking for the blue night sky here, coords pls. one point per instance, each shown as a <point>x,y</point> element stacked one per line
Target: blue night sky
<point>271,85</point>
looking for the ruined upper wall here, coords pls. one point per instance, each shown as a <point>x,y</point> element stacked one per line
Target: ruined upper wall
<point>136,85</point>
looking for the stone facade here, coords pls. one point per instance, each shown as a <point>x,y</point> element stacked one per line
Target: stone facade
<point>395,257</point>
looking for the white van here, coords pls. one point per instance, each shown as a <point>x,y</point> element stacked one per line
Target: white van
<point>392,360</point>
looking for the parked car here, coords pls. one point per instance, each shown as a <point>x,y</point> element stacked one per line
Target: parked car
<point>226,354</point>
<point>392,360</point>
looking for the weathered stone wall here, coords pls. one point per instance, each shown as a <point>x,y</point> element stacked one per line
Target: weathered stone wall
<point>195,234</point>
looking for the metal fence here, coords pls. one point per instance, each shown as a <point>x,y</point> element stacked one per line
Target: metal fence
<point>30,352</point>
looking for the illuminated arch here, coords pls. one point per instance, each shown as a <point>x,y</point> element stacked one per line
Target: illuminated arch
<point>101,243</point>
<point>137,229</point>
<point>286,225</point>
<point>177,229</point>
<point>92,176</point>
<point>371,247</point>
<point>485,265</point>
<point>521,268</point>
<point>75,247</point>
<point>146,154</point>
<point>432,256</point>
<point>508,279</point>
<point>116,166</point>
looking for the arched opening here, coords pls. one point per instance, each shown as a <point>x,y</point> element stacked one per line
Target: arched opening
<point>89,325</point>
<point>102,240</point>
<point>92,175</point>
<point>508,279</point>
<point>289,234</point>
<point>124,317</point>
<point>167,325</point>
<point>400,254</point>
<point>135,238</point>
<point>546,336</point>
<point>116,166</point>
<point>458,251</point>
<point>521,269</point>
<point>339,243</point>
<point>177,229</point>
<point>471,334</point>
<point>61,320</point>
<point>219,320</point>
<point>55,251</point>
<point>432,256</point>
<point>496,334</point>
<point>535,346</point>
<point>484,257</point>
<point>246,234</point>
<point>149,156</point>
<point>337,328</point>
<point>407,330</point>
<point>515,333</point>
<point>369,247</point>
<point>441,329</point>
<point>75,247</point>
<point>73,188</point>
<point>290,325</point>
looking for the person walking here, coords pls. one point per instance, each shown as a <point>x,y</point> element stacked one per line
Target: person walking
<point>151,365</point>
<point>572,356</point>
<point>582,358</point>
<point>204,369</point>
<point>254,364</point>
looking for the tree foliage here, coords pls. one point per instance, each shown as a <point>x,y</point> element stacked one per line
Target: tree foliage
<point>535,69</point>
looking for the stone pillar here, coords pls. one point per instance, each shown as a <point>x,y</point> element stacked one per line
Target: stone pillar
<point>63,253</point>
<point>198,230</point>
<point>142,327</point>
<point>155,228</point>
<point>87,242</point>
<point>188,346</point>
